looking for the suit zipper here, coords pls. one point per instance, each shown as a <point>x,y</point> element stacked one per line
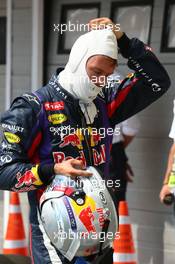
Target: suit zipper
<point>87,139</point>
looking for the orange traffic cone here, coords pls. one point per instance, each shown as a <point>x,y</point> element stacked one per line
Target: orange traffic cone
<point>124,251</point>
<point>15,242</point>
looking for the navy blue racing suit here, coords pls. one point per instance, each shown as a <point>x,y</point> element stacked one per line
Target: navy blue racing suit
<point>32,134</point>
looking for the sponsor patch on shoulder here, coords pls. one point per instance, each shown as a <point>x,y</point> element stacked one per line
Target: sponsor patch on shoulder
<point>12,127</point>
<point>11,138</point>
<point>54,106</point>
<point>31,98</point>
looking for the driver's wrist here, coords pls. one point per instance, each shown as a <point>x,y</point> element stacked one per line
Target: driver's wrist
<point>46,173</point>
<point>57,168</point>
<point>118,34</point>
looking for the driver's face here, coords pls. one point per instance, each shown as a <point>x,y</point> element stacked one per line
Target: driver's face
<point>99,67</point>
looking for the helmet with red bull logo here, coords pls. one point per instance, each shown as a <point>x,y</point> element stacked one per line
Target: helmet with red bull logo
<point>78,215</point>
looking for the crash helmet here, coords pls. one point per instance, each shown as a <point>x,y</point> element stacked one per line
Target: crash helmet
<point>78,214</point>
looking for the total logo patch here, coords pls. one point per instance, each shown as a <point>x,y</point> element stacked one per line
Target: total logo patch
<point>53,106</point>
<point>56,119</point>
<point>11,138</point>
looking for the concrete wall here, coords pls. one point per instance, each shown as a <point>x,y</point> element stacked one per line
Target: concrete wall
<point>21,59</point>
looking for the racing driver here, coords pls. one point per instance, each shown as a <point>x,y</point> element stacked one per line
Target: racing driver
<point>41,134</point>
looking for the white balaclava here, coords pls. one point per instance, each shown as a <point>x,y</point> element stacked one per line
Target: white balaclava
<point>74,77</point>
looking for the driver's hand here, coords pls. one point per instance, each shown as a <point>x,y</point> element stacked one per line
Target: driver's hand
<point>72,168</point>
<point>164,191</point>
<point>129,173</point>
<point>102,22</point>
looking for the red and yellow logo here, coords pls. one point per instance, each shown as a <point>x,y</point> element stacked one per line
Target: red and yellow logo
<point>85,213</point>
